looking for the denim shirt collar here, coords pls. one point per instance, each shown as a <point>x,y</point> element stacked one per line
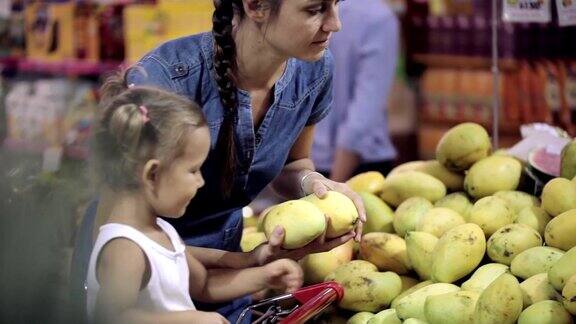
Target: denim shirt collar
<point>207,44</point>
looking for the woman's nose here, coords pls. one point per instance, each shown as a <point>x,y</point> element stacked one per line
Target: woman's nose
<point>332,22</point>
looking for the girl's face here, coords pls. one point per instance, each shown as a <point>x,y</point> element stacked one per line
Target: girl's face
<point>178,183</point>
<point>302,28</point>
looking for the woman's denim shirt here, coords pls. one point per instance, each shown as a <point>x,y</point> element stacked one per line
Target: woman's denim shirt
<point>302,97</point>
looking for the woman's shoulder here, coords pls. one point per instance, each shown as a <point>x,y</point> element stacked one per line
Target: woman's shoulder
<point>189,51</point>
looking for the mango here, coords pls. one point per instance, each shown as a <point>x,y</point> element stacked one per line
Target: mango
<point>518,200</point>
<point>500,302</point>
<point>462,146</point>
<point>510,240</point>
<point>558,196</point>
<point>251,240</point>
<point>458,253</point>
<point>439,220</point>
<point>371,181</point>
<point>452,180</point>
<point>387,316</point>
<point>412,305</point>
<point>302,222</point>
<point>379,217</point>
<point>560,231</point>
<point>360,318</point>
<point>451,308</point>
<point>568,161</point>
<point>369,292</point>
<point>402,186</point>
<point>419,247</point>
<point>409,291</point>
<point>545,312</point>
<point>535,217</point>
<point>408,214</point>
<point>387,251</point>
<point>492,174</point>
<point>484,276</point>
<point>534,261</point>
<point>458,202</point>
<point>537,288</point>
<point>354,267</point>
<point>317,266</point>
<point>563,269</point>
<point>569,295</point>
<point>491,213</point>
<point>339,209</point>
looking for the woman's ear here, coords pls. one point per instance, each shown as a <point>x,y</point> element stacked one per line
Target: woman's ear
<point>149,176</point>
<point>256,10</point>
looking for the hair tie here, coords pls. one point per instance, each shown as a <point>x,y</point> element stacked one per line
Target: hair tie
<point>144,112</point>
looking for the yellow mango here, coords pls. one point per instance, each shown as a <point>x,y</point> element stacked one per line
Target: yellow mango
<point>387,316</point>
<point>534,261</point>
<point>560,231</point>
<point>302,222</point>
<point>501,302</point>
<point>462,146</point>
<point>317,266</point>
<point>458,253</point>
<point>563,269</point>
<point>439,220</point>
<point>339,209</point>
<point>419,247</point>
<point>535,217</point>
<point>537,288</point>
<point>558,196</point>
<point>518,200</point>
<point>408,214</point>
<point>569,295</point>
<point>402,186</point>
<point>510,240</point>
<point>379,217</point>
<point>360,318</point>
<point>371,181</point>
<point>412,305</point>
<point>386,251</point>
<point>484,276</point>
<point>458,202</point>
<point>251,240</point>
<point>545,312</point>
<point>492,174</point>
<point>451,308</point>
<point>491,213</point>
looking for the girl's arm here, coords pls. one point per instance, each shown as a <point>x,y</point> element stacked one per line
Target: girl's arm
<point>219,285</point>
<point>122,271</point>
<point>213,258</point>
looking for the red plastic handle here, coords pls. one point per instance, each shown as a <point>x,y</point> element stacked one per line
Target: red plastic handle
<point>314,299</point>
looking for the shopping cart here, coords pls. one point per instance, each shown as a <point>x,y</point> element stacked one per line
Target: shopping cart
<point>297,307</point>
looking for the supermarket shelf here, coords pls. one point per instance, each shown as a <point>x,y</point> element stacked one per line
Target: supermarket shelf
<point>64,68</point>
<point>462,62</point>
<point>73,152</point>
<point>511,129</point>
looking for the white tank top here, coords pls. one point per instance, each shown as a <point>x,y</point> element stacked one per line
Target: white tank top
<point>167,289</point>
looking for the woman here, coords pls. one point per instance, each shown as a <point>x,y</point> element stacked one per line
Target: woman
<point>263,78</point>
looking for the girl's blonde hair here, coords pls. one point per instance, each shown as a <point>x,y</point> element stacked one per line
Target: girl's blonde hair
<point>138,124</point>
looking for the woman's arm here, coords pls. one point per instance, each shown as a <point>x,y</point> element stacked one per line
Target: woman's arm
<point>122,271</point>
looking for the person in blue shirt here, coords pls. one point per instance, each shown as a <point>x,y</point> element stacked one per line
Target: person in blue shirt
<point>263,78</point>
<point>354,137</point>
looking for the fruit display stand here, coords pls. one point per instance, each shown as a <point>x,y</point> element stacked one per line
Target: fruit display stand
<point>462,238</point>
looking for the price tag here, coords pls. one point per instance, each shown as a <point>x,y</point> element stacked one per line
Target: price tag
<point>566,12</point>
<point>51,159</point>
<point>527,11</point>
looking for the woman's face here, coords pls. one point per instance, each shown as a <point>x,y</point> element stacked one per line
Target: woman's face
<point>302,28</point>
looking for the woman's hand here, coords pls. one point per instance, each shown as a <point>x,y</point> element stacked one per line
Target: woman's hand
<point>319,185</point>
<point>283,274</point>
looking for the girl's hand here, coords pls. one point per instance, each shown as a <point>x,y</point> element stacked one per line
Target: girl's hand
<point>283,274</point>
<point>209,317</point>
<point>319,185</point>
<point>272,250</point>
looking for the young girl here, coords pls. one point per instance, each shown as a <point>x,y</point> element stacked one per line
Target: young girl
<point>149,147</point>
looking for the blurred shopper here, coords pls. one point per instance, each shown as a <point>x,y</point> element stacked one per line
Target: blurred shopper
<point>354,137</point>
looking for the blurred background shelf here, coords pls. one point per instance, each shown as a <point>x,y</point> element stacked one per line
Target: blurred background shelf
<point>462,62</point>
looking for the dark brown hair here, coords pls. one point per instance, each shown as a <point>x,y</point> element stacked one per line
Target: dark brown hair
<point>136,125</point>
<point>225,66</point>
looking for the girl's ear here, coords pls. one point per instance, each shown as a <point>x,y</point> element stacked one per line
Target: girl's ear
<point>257,10</point>
<point>149,175</point>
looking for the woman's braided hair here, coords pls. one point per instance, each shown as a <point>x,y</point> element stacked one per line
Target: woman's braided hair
<point>225,66</point>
